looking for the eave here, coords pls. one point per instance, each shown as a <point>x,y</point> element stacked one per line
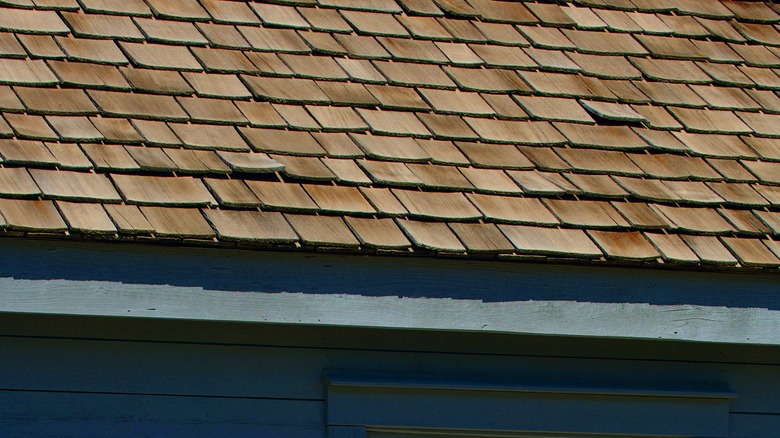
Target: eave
<point>93,280</point>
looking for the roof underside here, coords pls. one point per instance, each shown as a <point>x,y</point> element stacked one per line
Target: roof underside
<point>606,130</point>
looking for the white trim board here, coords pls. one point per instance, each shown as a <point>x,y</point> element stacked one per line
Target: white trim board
<point>568,318</point>
<point>381,292</point>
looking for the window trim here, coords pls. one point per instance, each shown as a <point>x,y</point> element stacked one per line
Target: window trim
<point>357,402</point>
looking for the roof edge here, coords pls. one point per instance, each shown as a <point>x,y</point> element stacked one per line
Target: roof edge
<point>342,291</point>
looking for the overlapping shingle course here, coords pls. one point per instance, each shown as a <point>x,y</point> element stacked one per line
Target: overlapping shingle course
<point>626,132</point>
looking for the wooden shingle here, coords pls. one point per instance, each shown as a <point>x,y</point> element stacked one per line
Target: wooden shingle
<point>327,231</point>
<point>333,199</point>
<point>586,214</point>
<point>16,182</point>
<point>378,233</point>
<point>31,215</point>
<point>396,174</point>
<point>26,152</point>
<point>128,219</point>
<point>672,248</point>
<point>139,106</point>
<point>551,241</point>
<point>513,210</point>
<point>86,218</point>
<point>158,190</point>
<point>391,148</point>
<point>433,236</point>
<point>178,222</point>
<point>35,22</point>
<point>437,205</point>
<point>282,196</point>
<point>75,185</point>
<point>622,245</point>
<point>751,252</point>
<point>251,226</point>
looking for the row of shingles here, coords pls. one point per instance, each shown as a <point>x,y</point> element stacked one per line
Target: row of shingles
<point>489,240</point>
<point>438,206</point>
<point>59,184</point>
<point>99,76</point>
<point>698,121</point>
<point>270,228</point>
<point>34,214</point>
<point>629,66</point>
<point>138,154</point>
<point>429,99</point>
<point>742,250</point>
<point>189,133</point>
<point>585,172</point>
<point>617,142</point>
<point>89,204</point>
<point>146,190</point>
<point>143,189</point>
<point>430,235</point>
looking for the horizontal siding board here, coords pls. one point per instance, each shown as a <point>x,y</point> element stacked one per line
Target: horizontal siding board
<point>161,368</point>
<point>84,415</point>
<point>354,338</point>
<point>296,373</point>
<point>754,426</point>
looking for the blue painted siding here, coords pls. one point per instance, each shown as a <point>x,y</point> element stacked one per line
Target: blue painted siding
<point>81,387</point>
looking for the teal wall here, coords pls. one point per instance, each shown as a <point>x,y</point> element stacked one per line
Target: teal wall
<point>73,386</point>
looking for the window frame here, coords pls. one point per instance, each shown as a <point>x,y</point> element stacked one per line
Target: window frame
<point>360,402</point>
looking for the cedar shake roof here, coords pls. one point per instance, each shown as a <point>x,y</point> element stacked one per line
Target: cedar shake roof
<point>618,131</point>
